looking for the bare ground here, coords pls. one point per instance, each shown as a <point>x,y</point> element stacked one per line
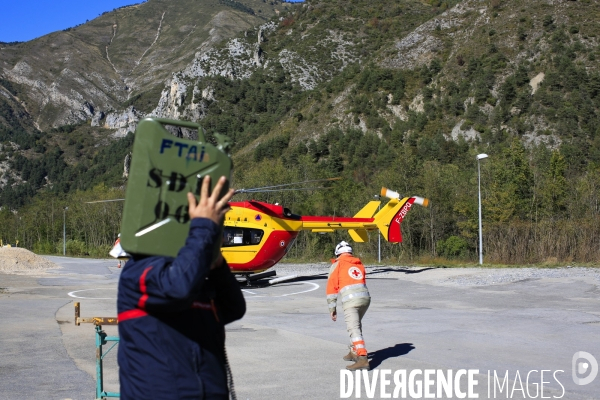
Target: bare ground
<point>16,260</point>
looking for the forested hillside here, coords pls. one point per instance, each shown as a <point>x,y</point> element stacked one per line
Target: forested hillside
<point>402,94</point>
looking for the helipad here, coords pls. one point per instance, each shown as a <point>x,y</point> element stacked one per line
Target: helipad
<point>509,321</point>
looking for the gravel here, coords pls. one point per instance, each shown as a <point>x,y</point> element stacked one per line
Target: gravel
<point>458,276</point>
<point>486,277</point>
<point>16,260</point>
<point>307,269</point>
<point>310,269</point>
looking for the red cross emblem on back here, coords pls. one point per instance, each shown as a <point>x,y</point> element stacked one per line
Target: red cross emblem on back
<point>355,273</point>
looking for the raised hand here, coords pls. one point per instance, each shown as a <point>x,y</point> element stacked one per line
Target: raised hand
<point>211,207</point>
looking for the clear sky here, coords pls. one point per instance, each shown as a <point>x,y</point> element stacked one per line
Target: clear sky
<point>23,20</point>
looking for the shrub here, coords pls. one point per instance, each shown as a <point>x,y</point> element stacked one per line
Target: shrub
<point>454,246</point>
<point>74,247</point>
<point>548,21</point>
<point>44,248</point>
<point>100,251</point>
<point>289,21</point>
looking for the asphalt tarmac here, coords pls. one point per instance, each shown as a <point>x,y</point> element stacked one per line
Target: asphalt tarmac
<point>420,324</point>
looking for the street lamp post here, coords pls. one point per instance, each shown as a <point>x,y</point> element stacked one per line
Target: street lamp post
<point>378,233</point>
<point>479,158</point>
<point>65,231</point>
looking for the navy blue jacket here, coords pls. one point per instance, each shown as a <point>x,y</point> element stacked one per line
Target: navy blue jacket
<point>172,313</point>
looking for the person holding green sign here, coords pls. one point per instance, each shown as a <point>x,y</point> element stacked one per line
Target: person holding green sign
<point>172,312</point>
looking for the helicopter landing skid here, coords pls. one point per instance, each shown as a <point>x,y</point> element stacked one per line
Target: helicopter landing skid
<point>252,279</point>
<point>255,277</point>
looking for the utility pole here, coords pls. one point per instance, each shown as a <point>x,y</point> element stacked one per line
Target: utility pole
<point>65,231</point>
<point>378,232</point>
<point>479,158</point>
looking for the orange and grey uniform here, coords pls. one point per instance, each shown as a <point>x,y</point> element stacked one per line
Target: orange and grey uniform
<point>346,283</point>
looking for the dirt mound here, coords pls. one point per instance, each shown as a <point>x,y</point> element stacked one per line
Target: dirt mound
<point>16,260</point>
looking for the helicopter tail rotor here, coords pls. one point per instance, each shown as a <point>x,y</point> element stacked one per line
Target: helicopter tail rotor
<point>389,218</point>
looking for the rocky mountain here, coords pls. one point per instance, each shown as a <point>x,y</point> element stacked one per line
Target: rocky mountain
<point>154,58</point>
<point>478,48</point>
<point>397,92</point>
<point>87,72</point>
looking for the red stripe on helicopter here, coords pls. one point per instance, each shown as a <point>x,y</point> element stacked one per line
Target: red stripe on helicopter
<point>274,210</point>
<point>269,254</point>
<point>394,231</point>
<point>335,219</point>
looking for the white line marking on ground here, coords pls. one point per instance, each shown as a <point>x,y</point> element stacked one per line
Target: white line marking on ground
<point>314,287</point>
<point>90,298</point>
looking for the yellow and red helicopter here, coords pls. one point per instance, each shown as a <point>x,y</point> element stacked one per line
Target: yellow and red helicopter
<point>257,235</point>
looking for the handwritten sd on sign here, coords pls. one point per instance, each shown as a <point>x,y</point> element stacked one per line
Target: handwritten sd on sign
<point>163,169</point>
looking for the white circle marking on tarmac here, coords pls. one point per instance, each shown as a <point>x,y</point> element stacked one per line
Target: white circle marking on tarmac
<point>314,287</point>
<point>90,298</point>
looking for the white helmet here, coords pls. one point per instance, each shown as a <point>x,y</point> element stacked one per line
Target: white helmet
<point>342,247</point>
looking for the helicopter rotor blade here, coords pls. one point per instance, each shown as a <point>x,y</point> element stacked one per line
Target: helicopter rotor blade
<point>103,201</point>
<point>283,185</point>
<point>262,189</point>
<point>283,190</point>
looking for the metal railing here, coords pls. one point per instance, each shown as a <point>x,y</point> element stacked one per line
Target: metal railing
<point>102,339</point>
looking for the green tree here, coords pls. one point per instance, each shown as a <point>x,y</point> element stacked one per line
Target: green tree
<point>510,194</point>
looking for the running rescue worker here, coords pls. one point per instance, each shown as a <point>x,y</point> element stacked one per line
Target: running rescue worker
<point>347,281</point>
<point>172,313</point>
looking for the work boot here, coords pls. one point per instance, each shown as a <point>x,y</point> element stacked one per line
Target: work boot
<point>351,356</point>
<point>362,362</point>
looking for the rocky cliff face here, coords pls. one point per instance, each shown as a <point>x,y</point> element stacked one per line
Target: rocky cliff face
<point>82,73</point>
<point>238,58</point>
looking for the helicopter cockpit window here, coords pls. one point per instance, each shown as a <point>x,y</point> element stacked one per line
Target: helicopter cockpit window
<point>241,236</point>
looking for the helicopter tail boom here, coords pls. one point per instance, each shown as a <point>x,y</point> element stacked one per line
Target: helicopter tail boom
<point>373,216</point>
<point>368,211</point>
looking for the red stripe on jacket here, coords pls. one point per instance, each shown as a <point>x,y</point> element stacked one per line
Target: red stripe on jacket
<point>131,314</point>
<point>141,310</point>
<point>143,289</point>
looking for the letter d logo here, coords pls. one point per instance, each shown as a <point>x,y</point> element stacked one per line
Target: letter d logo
<point>581,367</point>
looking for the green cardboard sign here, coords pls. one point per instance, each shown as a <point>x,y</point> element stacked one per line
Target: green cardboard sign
<point>163,170</point>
